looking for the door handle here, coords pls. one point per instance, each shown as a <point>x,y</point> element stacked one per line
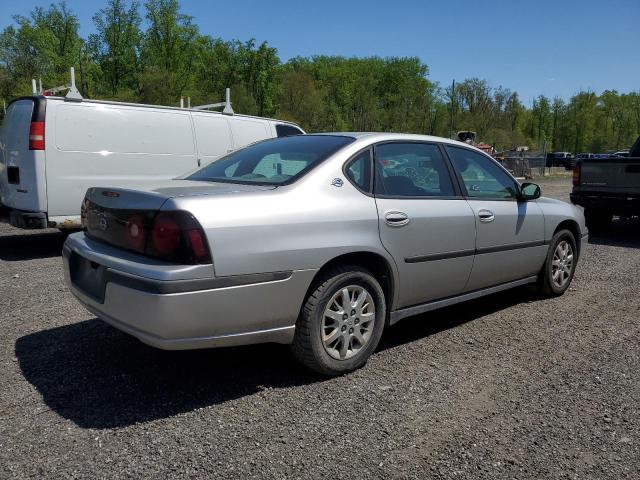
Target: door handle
<point>396,219</point>
<point>486,216</point>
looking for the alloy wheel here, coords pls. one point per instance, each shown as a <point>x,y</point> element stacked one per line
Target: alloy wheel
<point>347,322</point>
<point>562,264</point>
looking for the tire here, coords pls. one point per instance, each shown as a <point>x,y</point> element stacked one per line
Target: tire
<point>597,220</point>
<point>554,284</point>
<point>314,323</point>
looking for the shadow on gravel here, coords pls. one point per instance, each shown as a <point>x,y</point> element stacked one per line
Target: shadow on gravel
<point>31,246</point>
<point>620,234</point>
<point>98,377</point>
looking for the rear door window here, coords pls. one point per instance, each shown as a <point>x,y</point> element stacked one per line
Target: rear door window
<point>359,171</point>
<point>411,170</point>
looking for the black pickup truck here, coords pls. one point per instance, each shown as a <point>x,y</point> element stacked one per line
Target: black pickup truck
<point>608,186</point>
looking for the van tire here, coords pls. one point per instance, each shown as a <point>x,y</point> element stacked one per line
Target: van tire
<point>308,346</point>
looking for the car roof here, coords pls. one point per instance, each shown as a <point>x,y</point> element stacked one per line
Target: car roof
<point>382,136</point>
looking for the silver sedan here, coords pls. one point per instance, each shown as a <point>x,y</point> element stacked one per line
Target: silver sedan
<point>318,241</point>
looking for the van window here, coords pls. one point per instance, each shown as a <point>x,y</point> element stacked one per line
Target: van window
<point>246,131</point>
<point>287,130</point>
<point>114,129</point>
<point>213,134</point>
<point>15,128</point>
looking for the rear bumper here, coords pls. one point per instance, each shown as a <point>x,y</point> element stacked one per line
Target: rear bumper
<point>27,220</point>
<point>617,204</point>
<point>583,241</point>
<point>234,313</point>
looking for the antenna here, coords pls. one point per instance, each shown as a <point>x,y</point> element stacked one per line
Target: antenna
<point>227,110</point>
<point>73,94</point>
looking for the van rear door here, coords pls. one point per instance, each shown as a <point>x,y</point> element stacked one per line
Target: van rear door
<point>22,166</point>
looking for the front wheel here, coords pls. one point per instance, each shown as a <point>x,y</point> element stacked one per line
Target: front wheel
<point>341,321</point>
<point>556,274</point>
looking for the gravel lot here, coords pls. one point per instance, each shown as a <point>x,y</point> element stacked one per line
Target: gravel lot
<point>504,387</point>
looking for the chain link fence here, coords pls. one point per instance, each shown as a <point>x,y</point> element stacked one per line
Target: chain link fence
<point>524,166</point>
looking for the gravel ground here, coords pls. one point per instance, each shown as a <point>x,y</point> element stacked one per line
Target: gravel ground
<point>510,386</point>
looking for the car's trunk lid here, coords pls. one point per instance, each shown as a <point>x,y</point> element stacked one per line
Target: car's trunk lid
<point>108,214</point>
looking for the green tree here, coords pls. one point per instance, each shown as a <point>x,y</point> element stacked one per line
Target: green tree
<point>169,51</point>
<point>117,44</point>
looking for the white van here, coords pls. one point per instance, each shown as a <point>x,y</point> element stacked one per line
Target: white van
<point>53,149</point>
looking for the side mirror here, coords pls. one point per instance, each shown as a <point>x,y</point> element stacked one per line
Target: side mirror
<point>529,191</point>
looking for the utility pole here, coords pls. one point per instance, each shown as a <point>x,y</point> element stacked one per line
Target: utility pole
<point>453,90</point>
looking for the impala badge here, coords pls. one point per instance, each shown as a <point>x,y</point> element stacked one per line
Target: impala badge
<point>337,182</point>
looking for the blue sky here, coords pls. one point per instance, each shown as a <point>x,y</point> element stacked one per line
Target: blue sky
<point>538,46</point>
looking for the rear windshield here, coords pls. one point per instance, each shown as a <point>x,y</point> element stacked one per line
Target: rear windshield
<point>274,162</point>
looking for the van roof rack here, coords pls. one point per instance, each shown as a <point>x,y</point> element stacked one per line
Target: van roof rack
<point>72,95</point>
<point>227,110</point>
<point>75,96</point>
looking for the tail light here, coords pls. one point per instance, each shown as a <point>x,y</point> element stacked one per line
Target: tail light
<point>136,235</point>
<point>165,236</point>
<point>576,174</point>
<point>172,236</point>
<point>36,136</point>
<point>178,237</point>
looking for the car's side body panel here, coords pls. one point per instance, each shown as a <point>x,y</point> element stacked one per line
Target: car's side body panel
<point>285,235</point>
<point>510,247</point>
<point>433,251</point>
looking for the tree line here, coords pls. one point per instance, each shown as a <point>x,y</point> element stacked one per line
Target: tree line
<point>154,53</point>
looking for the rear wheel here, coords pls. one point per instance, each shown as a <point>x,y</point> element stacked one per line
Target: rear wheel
<point>597,220</point>
<point>341,321</point>
<point>557,273</point>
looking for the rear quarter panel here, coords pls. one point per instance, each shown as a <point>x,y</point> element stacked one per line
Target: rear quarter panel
<point>285,229</point>
<point>296,227</point>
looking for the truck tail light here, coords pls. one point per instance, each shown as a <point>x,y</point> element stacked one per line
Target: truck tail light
<point>36,136</point>
<point>576,173</point>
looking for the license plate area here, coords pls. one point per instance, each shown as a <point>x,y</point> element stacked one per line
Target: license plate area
<point>87,276</point>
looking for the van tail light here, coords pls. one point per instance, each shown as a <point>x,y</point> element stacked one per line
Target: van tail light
<point>576,173</point>
<point>36,136</point>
